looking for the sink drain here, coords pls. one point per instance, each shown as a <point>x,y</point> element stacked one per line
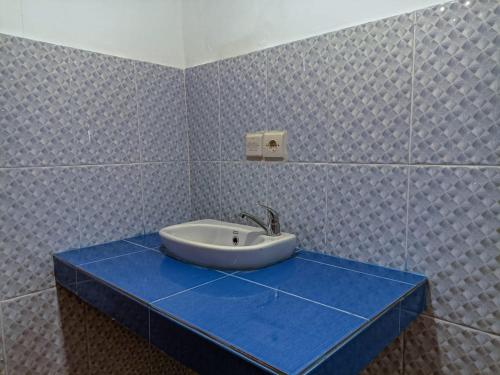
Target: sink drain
<point>235,238</point>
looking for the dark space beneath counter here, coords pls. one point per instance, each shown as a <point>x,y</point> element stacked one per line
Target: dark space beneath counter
<point>312,313</point>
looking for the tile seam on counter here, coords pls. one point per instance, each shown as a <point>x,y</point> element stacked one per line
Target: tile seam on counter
<point>113,257</point>
<point>118,289</point>
<point>107,284</point>
<point>146,247</point>
<point>220,342</point>
<point>345,341</point>
<point>364,273</point>
<point>189,289</point>
<point>297,252</point>
<point>152,308</point>
<point>300,297</point>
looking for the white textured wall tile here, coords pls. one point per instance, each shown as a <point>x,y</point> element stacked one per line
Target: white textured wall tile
<point>110,203</point>
<point>453,239</point>
<point>205,190</point>
<point>298,193</point>
<point>166,194</point>
<point>367,213</point>
<point>433,346</point>
<point>44,334</point>
<point>243,185</point>
<point>38,217</point>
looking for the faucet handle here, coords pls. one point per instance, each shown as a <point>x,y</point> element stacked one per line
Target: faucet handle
<point>273,220</point>
<point>273,215</point>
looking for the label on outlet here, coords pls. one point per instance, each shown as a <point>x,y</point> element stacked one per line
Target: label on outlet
<point>253,144</point>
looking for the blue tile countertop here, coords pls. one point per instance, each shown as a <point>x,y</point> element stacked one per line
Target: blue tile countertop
<point>312,313</point>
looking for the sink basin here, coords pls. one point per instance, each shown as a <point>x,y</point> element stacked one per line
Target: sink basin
<point>217,244</point>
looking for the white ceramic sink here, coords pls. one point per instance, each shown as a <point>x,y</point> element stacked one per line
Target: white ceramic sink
<point>217,244</point>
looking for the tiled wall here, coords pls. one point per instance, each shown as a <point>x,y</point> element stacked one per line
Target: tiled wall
<point>93,148</point>
<point>394,159</point>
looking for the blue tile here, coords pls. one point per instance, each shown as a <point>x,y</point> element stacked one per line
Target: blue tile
<point>99,252</point>
<point>355,292</point>
<point>407,277</point>
<point>152,240</point>
<point>120,307</point>
<point>413,305</point>
<point>65,275</point>
<point>209,357</point>
<point>149,275</point>
<point>265,324</point>
<point>351,358</point>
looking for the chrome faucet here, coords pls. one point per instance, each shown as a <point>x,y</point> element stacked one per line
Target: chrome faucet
<point>272,227</point>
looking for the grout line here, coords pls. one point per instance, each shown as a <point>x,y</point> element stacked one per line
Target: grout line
<point>92,165</point>
<point>412,89</point>
<point>419,165</point>
<point>189,289</point>
<point>188,130</point>
<point>139,137</point>
<point>114,257</point>
<point>35,293</point>
<point>146,247</point>
<point>266,99</point>
<point>461,326</point>
<point>363,273</point>
<point>220,190</point>
<point>327,224</point>
<point>79,210</point>
<point>412,111</point>
<point>300,297</point>
<point>219,129</point>
<point>407,229</point>
<point>218,111</point>
<point>2,340</point>
<point>141,171</point>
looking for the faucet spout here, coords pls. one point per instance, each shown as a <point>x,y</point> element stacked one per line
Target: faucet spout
<point>246,215</point>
